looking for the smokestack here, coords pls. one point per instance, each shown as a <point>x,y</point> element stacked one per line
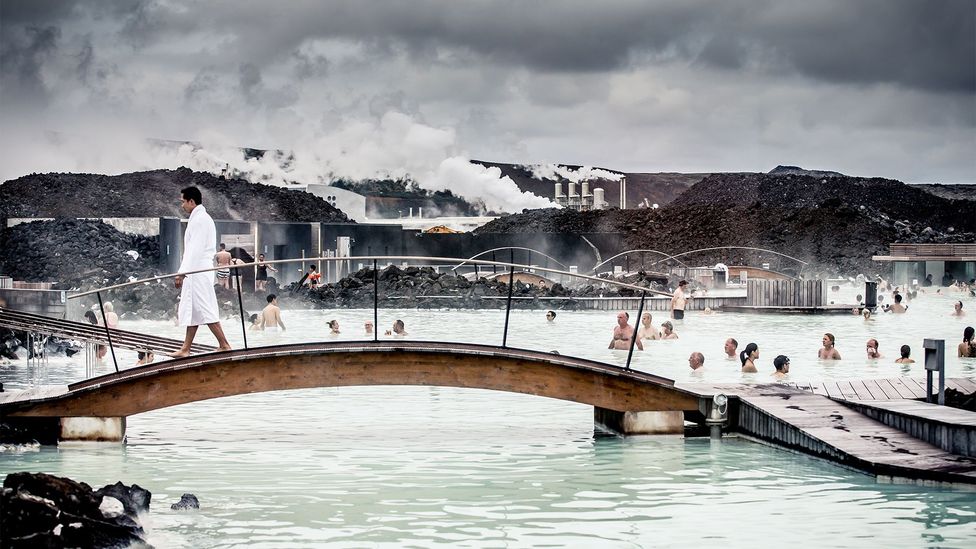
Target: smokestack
<point>598,203</point>
<point>411,212</point>
<point>623,193</point>
<point>420,211</point>
<point>571,189</point>
<point>559,192</point>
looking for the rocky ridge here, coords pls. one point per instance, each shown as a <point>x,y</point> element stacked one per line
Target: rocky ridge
<point>156,194</point>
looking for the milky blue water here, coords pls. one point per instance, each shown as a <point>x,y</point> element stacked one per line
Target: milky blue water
<point>429,466</point>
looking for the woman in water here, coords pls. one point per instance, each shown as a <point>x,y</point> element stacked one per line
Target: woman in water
<point>967,349</point>
<point>828,352</point>
<point>748,357</point>
<point>667,331</point>
<point>906,353</point>
<point>334,326</point>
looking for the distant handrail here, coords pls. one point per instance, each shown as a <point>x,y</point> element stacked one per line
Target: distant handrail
<point>556,261</point>
<point>371,258</point>
<point>800,261</point>
<point>628,252</point>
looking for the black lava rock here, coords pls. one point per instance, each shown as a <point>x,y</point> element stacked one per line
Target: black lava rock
<point>187,501</point>
<point>40,510</point>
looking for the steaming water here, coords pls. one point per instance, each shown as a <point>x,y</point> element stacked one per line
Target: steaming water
<point>416,466</point>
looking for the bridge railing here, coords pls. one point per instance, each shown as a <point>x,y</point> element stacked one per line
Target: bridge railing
<point>510,279</point>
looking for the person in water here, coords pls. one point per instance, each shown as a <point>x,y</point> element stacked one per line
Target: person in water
<point>897,308</point>
<point>872,349</point>
<point>829,352</point>
<point>399,328</point>
<point>550,316</point>
<point>622,333</point>
<point>647,329</point>
<point>731,346</point>
<point>368,326</point>
<point>667,330</point>
<point>906,353</point>
<point>967,349</point>
<point>782,365</point>
<point>748,358</point>
<point>271,315</point>
<point>957,309</point>
<point>333,327</point>
<point>696,361</point>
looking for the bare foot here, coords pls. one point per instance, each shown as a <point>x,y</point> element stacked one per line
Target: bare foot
<point>179,354</point>
<point>225,348</point>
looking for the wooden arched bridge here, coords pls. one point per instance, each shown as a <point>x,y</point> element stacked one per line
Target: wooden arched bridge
<point>612,390</point>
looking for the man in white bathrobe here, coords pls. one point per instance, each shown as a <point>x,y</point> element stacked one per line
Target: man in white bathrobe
<point>198,301</point>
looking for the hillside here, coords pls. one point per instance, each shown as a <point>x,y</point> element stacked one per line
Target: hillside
<point>835,223</point>
<point>156,194</point>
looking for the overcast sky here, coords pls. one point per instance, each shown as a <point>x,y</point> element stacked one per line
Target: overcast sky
<point>865,87</point>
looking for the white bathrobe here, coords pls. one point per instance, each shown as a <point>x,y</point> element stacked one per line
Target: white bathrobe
<point>198,301</point>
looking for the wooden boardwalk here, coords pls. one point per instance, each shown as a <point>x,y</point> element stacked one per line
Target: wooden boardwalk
<point>818,419</point>
<point>881,389</point>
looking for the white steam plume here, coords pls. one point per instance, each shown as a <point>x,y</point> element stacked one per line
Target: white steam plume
<point>555,172</point>
<point>394,146</point>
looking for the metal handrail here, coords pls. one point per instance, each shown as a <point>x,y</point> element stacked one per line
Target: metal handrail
<point>372,258</point>
<point>628,252</point>
<point>800,261</point>
<point>549,257</point>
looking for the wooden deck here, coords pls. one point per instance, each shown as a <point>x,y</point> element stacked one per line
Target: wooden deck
<point>823,419</point>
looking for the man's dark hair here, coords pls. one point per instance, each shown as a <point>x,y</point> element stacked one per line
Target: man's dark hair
<point>311,267</point>
<point>223,246</point>
<point>271,298</point>
<point>192,193</point>
<point>897,298</point>
<point>780,361</point>
<point>734,342</point>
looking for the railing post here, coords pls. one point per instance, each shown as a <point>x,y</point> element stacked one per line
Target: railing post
<point>508,304</point>
<point>107,332</point>
<point>376,301</point>
<point>240,305</point>
<point>633,337</point>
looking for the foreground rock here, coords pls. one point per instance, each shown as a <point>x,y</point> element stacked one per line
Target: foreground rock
<point>41,510</point>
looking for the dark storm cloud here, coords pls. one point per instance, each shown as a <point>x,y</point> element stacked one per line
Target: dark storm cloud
<point>923,45</point>
<point>22,56</point>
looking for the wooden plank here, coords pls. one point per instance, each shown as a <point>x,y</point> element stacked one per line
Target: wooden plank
<point>830,389</point>
<point>818,389</point>
<point>967,386</point>
<point>872,387</point>
<point>847,390</point>
<point>888,389</point>
<point>918,388</point>
<point>901,388</point>
<point>860,390</point>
